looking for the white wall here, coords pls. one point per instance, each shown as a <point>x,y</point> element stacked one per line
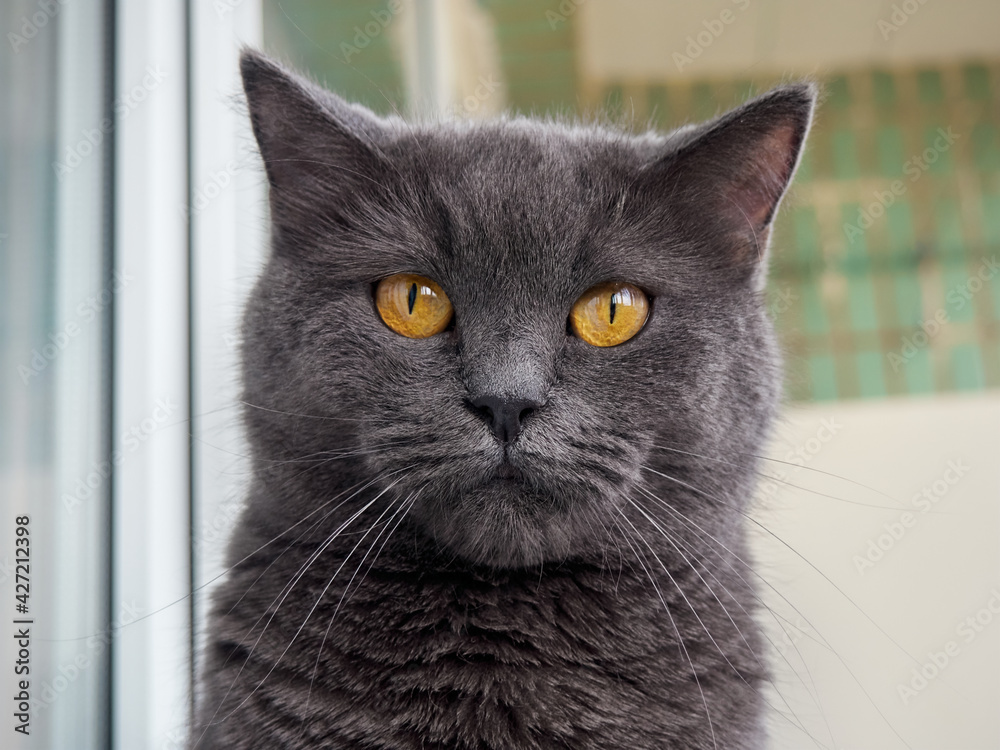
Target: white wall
<point>943,568</point>
<point>638,39</point>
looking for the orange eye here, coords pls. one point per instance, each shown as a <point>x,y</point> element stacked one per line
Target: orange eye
<point>609,314</point>
<point>413,306</point>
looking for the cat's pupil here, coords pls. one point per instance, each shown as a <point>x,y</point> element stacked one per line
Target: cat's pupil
<point>611,317</point>
<point>412,297</point>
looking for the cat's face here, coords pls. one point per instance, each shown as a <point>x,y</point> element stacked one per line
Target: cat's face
<point>516,440</point>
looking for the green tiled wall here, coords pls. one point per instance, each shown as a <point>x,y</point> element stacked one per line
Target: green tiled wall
<point>879,284</point>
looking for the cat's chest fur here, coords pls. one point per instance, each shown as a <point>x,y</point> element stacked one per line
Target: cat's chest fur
<point>570,656</point>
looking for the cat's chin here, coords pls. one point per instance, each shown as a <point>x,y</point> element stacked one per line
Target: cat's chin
<point>505,523</point>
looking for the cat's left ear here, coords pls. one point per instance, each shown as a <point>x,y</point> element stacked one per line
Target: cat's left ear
<point>726,179</point>
<point>321,154</point>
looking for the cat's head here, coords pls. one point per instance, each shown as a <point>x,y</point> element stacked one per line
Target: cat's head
<point>515,435</point>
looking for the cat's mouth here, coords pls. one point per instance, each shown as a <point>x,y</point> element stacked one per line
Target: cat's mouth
<point>518,504</point>
<point>508,472</point>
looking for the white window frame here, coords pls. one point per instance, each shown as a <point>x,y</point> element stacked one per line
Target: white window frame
<point>171,322</point>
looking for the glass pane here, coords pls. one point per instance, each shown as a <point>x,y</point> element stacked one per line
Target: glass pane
<point>55,299</point>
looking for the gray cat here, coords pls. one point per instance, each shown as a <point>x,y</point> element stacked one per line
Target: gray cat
<point>503,384</point>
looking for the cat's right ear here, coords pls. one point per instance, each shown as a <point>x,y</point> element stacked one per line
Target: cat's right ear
<point>724,180</point>
<point>319,151</point>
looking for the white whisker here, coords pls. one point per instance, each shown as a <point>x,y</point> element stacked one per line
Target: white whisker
<point>677,632</point>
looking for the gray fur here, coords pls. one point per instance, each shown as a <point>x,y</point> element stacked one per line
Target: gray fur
<point>541,612</point>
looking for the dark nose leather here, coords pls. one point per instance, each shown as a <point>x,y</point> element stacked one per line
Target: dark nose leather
<point>505,416</point>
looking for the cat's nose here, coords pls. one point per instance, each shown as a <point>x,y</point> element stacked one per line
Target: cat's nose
<point>505,416</point>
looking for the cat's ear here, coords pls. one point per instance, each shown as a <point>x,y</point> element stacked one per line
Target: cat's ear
<point>318,150</point>
<point>729,176</point>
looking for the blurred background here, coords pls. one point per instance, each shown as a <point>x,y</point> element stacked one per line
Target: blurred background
<point>133,220</point>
